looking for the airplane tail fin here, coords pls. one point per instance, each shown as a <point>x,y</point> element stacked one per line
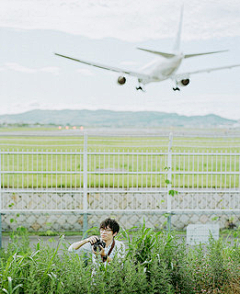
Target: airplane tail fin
<point>176,47</point>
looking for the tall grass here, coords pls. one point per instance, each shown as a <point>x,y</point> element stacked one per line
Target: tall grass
<point>155,262</point>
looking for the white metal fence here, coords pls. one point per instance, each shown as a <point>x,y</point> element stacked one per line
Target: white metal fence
<point>129,179</point>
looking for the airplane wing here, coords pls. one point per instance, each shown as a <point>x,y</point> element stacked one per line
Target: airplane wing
<point>111,68</point>
<point>182,75</point>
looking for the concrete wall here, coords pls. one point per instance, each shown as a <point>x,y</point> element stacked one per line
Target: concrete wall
<point>156,204</point>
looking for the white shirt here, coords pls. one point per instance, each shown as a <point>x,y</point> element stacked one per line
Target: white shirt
<point>119,249</point>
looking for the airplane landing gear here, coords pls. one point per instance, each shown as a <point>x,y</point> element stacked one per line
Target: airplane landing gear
<point>140,85</point>
<point>176,89</point>
<point>140,88</point>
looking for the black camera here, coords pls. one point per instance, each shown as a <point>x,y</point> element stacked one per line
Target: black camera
<point>97,244</point>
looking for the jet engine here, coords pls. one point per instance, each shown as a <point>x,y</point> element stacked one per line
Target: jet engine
<point>183,83</point>
<point>121,80</point>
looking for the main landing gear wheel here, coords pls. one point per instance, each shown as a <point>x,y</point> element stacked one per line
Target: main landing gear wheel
<point>140,88</point>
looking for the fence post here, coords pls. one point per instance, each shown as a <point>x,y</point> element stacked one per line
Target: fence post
<point>0,201</point>
<point>169,182</point>
<point>85,184</point>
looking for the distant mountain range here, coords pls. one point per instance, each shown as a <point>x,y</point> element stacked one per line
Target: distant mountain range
<point>109,118</point>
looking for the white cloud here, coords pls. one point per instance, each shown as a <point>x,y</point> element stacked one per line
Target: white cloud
<point>126,20</point>
<point>20,68</point>
<point>85,72</point>
<point>50,69</point>
<point>19,107</point>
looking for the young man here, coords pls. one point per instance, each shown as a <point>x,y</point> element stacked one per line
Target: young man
<point>108,230</point>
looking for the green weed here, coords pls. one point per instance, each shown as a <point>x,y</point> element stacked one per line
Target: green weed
<point>155,262</point>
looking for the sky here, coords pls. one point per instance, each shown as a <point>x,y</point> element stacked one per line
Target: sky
<point>108,31</point>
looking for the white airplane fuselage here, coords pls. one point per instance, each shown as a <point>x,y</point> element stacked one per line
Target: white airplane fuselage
<point>161,69</point>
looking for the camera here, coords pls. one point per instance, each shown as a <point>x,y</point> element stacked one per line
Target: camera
<point>97,244</point>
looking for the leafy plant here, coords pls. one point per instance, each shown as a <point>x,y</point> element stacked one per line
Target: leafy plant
<point>155,262</point>
<point>10,289</point>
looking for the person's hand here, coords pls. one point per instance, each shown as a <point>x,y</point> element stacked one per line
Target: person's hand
<point>99,252</point>
<point>93,239</point>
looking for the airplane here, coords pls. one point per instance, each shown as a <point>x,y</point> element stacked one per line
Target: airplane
<point>159,70</point>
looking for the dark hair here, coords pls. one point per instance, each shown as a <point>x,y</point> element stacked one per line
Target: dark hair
<point>111,223</point>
